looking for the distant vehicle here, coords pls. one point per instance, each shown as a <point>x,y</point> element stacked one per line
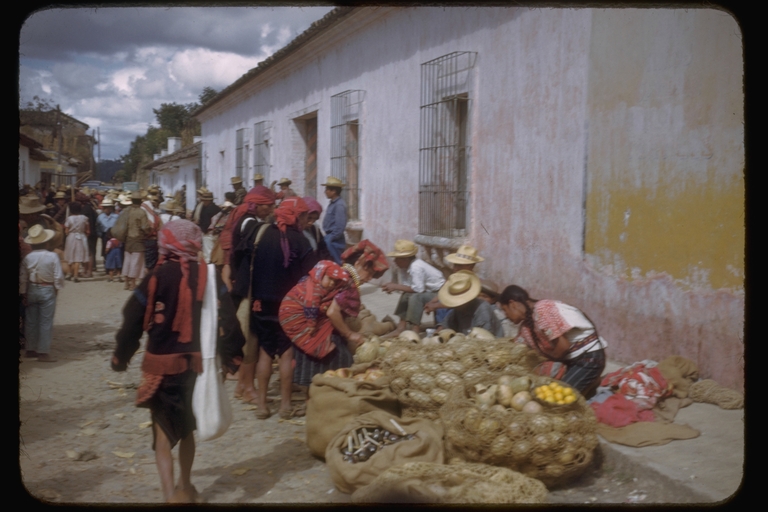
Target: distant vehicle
<point>131,185</point>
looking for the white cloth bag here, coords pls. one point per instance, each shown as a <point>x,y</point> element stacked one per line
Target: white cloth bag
<point>210,404</point>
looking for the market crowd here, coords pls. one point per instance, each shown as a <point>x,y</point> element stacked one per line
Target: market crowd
<point>286,289</point>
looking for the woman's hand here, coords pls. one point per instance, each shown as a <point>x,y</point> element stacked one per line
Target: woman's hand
<point>355,340</point>
<point>560,348</point>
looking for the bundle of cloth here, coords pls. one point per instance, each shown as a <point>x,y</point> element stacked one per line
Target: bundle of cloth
<point>636,405</point>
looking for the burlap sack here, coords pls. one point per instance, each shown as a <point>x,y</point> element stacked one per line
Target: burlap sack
<point>426,447</point>
<point>424,482</point>
<point>334,402</point>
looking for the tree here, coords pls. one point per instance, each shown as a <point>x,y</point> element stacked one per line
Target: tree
<point>172,117</point>
<point>207,95</point>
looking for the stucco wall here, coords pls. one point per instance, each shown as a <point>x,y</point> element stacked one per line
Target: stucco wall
<point>539,142</point>
<point>665,208</point>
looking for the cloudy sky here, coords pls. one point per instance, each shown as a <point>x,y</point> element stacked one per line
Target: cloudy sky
<point>109,67</point>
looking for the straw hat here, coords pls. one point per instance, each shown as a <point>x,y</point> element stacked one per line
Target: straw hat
<point>60,195</point>
<point>37,234</point>
<point>404,249</point>
<point>227,205</point>
<point>466,255</point>
<point>30,204</point>
<point>333,182</point>
<point>107,202</point>
<point>284,181</point>
<point>258,177</point>
<point>206,196</point>
<point>460,288</point>
<point>236,180</point>
<point>171,206</point>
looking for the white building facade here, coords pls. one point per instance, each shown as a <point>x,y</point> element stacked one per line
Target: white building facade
<point>533,134</point>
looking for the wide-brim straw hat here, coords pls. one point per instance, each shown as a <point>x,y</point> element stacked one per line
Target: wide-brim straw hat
<point>60,195</point>
<point>37,234</point>
<point>236,179</point>
<point>258,177</point>
<point>171,206</point>
<point>333,182</point>
<point>465,255</point>
<point>404,249</point>
<point>227,205</point>
<point>30,204</point>
<point>107,202</point>
<point>460,288</point>
<point>206,196</point>
<point>284,181</point>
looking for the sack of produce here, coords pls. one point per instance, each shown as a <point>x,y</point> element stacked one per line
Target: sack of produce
<point>337,397</point>
<point>423,482</point>
<point>535,425</point>
<point>422,375</point>
<point>376,441</point>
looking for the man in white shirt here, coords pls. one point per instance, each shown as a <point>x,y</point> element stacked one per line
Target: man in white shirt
<point>419,282</point>
<point>40,279</point>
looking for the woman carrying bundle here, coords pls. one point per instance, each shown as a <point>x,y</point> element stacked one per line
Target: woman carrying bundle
<point>312,314</point>
<point>561,333</point>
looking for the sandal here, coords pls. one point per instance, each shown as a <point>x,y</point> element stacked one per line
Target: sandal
<point>300,410</point>
<point>262,414</point>
<point>285,414</point>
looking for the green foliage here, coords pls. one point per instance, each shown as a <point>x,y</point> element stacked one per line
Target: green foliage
<point>175,120</point>
<point>207,95</point>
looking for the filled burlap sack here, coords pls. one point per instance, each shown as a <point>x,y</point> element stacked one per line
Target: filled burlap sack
<point>423,482</point>
<point>426,446</point>
<point>333,402</point>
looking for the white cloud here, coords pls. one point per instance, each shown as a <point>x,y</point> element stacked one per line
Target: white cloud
<point>124,80</point>
<point>201,67</point>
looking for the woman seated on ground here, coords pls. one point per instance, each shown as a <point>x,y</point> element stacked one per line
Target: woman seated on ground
<point>312,314</point>
<point>461,292</point>
<point>562,334</point>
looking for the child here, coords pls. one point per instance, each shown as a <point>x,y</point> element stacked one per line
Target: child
<point>113,262</point>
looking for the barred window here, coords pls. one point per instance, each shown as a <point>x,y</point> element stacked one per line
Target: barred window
<point>444,145</point>
<point>261,164</point>
<point>241,154</point>
<point>345,156</point>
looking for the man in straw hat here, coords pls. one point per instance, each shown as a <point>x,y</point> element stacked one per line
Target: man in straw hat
<point>285,189</point>
<point>105,221</point>
<point>139,228</point>
<point>31,212</point>
<point>258,180</point>
<point>335,220</point>
<point>461,293</point>
<point>418,280</point>
<point>40,279</point>
<point>237,184</point>
<point>208,211</point>
<point>464,259</point>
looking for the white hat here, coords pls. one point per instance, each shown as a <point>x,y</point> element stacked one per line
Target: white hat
<point>37,234</point>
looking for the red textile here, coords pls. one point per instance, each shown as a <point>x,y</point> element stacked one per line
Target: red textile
<point>303,310</point>
<point>371,253</point>
<point>182,240</point>
<point>313,205</point>
<point>617,411</point>
<point>286,215</point>
<point>256,196</point>
<point>548,323</point>
<point>643,385</point>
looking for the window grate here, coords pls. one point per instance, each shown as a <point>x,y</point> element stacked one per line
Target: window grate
<point>444,145</point>
<point>240,154</point>
<point>261,132</point>
<point>345,154</point>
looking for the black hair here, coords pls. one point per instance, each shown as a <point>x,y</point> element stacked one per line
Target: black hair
<point>230,196</point>
<point>518,294</point>
<point>75,208</point>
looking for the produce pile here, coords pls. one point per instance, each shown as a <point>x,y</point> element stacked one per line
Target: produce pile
<point>424,373</point>
<point>502,422</point>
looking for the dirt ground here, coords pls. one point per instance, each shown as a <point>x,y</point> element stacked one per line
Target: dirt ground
<point>83,440</point>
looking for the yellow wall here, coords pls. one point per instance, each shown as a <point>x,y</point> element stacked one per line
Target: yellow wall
<point>665,153</point>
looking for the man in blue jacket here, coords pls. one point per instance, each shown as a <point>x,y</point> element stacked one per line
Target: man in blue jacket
<point>335,221</point>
